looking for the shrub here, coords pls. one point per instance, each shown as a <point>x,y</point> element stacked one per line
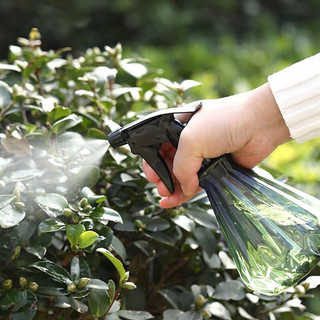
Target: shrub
<point>82,234</point>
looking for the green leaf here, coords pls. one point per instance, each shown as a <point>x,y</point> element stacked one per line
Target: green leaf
<point>13,297</point>
<point>57,113</point>
<point>202,217</point>
<point>87,176</point>
<point>91,196</point>
<point>99,299</point>
<point>104,215</point>
<point>75,269</point>
<point>96,134</point>
<point>11,67</point>
<point>135,315</point>
<point>24,175</point>
<point>52,204</point>
<point>5,95</point>
<point>157,224</point>
<point>184,222</point>
<point>10,217</point>
<point>188,84</point>
<point>87,238</point>
<point>135,69</point>
<point>78,305</point>
<point>170,314</point>
<point>206,240</point>
<point>66,123</point>
<point>116,262</point>
<point>230,290</point>
<point>54,270</point>
<point>73,232</point>
<point>219,310</point>
<point>37,250</point>
<point>51,225</point>
<point>118,247</point>
<point>5,199</point>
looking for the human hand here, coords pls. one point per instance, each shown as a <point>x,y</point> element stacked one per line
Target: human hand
<point>249,126</point>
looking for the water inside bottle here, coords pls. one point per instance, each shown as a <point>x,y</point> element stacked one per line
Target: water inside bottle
<point>273,236</point>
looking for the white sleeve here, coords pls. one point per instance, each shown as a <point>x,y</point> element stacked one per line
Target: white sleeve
<point>296,90</point>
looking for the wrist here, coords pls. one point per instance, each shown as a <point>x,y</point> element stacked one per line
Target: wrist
<point>267,118</point>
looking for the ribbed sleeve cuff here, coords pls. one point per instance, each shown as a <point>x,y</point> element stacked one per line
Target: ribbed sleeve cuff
<point>296,90</point>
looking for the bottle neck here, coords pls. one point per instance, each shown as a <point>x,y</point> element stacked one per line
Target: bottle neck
<point>213,170</point>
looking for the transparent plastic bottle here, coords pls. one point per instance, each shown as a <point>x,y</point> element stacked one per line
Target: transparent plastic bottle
<point>272,230</point>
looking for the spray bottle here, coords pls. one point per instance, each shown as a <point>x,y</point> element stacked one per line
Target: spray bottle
<point>272,230</point>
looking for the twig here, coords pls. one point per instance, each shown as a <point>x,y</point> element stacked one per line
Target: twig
<point>113,301</point>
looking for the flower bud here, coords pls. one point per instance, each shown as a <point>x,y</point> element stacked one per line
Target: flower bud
<point>83,202</point>
<point>7,284</point>
<point>126,276</point>
<point>67,212</point>
<point>17,194</point>
<point>2,184</point>
<point>33,286</point>
<point>16,253</point>
<point>83,282</point>
<point>72,287</point>
<point>206,314</point>
<point>87,208</point>
<point>306,285</point>
<point>129,285</point>
<point>139,224</point>
<point>19,205</point>
<point>199,301</point>
<point>300,289</point>
<point>23,282</point>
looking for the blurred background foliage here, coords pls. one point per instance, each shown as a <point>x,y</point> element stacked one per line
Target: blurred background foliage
<point>229,46</point>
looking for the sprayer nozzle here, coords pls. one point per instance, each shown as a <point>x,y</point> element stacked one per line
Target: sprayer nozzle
<point>115,138</point>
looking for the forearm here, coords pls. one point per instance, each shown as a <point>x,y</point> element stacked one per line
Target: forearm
<point>297,92</point>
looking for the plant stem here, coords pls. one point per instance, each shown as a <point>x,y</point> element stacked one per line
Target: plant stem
<point>114,299</point>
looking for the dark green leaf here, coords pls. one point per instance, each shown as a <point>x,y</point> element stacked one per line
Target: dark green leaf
<point>118,247</point>
<point>37,250</point>
<point>57,113</point>
<point>73,232</point>
<point>157,224</point>
<point>206,240</point>
<point>5,95</point>
<point>52,204</point>
<point>51,225</point>
<point>66,123</point>
<point>75,269</point>
<point>96,134</point>
<point>202,217</point>
<point>78,305</point>
<point>87,176</point>
<point>135,315</point>
<point>184,222</point>
<point>230,290</point>
<point>9,216</point>
<point>53,270</point>
<point>171,297</point>
<point>104,215</point>
<point>99,299</point>
<point>161,237</point>
<point>5,199</point>
<point>13,298</point>
<point>91,196</point>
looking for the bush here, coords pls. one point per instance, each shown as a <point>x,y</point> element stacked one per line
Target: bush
<point>82,234</point>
